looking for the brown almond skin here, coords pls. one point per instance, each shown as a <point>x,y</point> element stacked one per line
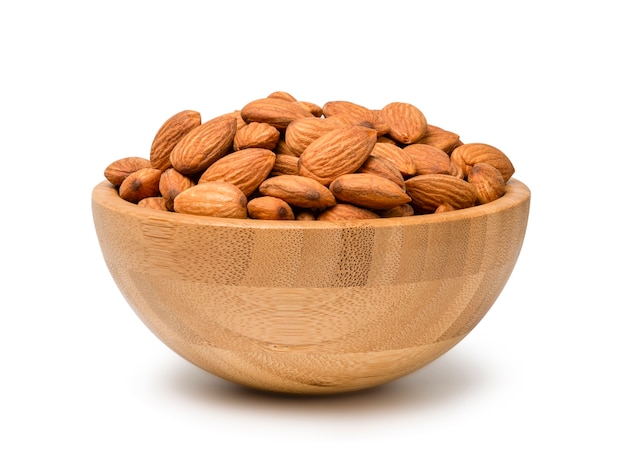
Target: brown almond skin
<point>245,169</point>
<point>346,212</point>
<point>311,107</point>
<point>171,184</point>
<point>488,181</point>
<point>274,111</point>
<point>284,95</point>
<point>444,208</point>
<point>355,114</point>
<point>170,133</point>
<point>442,139</point>
<point>429,191</point>
<point>256,135</point>
<point>299,191</point>
<point>270,208</point>
<point>118,170</point>
<point>397,156</point>
<point>285,164</point>
<point>204,145</point>
<point>469,154</point>
<point>407,124</point>
<point>382,167</point>
<point>216,198</point>
<point>306,215</point>
<point>337,152</point>
<point>428,159</point>
<point>155,203</point>
<point>141,184</point>
<point>399,211</point>
<point>368,191</point>
<point>302,132</point>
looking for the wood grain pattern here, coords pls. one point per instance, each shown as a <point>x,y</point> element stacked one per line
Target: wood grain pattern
<point>311,307</point>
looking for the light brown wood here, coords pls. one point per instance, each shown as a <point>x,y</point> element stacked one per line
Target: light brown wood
<point>311,307</point>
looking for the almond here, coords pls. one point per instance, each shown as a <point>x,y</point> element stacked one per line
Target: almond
<point>156,203</point>
<point>429,191</point>
<point>399,211</point>
<point>285,164</point>
<point>284,95</point>
<point>445,140</point>
<point>355,114</point>
<point>118,170</point>
<point>346,212</point>
<point>256,135</point>
<point>306,215</point>
<point>469,154</point>
<point>397,156</point>
<point>488,181</point>
<point>337,152</point>
<point>298,191</point>
<point>245,169</point>
<point>428,159</point>
<point>168,136</point>
<point>368,191</point>
<point>384,168</point>
<point>443,208</point>
<point>277,112</point>
<point>216,198</point>
<point>171,184</point>
<point>269,208</point>
<point>204,145</point>
<point>282,148</point>
<point>406,122</point>
<point>302,132</point>
<point>311,107</point>
<point>140,184</point>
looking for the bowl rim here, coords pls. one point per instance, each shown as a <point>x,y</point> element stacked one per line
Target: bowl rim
<point>106,195</point>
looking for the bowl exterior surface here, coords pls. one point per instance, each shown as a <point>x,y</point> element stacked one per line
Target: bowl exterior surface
<point>311,307</point>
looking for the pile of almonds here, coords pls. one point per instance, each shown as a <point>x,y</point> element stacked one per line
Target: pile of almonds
<point>280,158</point>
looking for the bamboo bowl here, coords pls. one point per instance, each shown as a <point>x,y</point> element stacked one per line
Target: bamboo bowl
<point>311,307</point>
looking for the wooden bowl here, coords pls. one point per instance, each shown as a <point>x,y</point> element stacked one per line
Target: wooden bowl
<point>311,307</point>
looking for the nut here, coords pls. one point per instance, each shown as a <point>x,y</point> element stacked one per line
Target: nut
<point>285,164</point>
<point>171,184</point>
<point>346,212</point>
<point>488,181</point>
<point>382,167</point>
<point>170,133</point>
<point>299,191</point>
<point>368,191</point>
<point>256,135</point>
<point>301,132</point>
<point>406,122</point>
<point>216,198</point>
<point>355,114</point>
<point>397,211</point>
<point>269,208</point>
<point>204,145</point>
<point>245,168</point>
<point>429,191</point>
<point>428,159</point>
<point>439,138</point>
<point>467,155</point>
<point>118,170</point>
<point>277,112</point>
<point>338,152</point>
<point>156,203</point>
<point>397,156</point>
<point>140,184</point>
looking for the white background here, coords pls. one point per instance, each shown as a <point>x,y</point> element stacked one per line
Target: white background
<point>539,382</point>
